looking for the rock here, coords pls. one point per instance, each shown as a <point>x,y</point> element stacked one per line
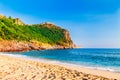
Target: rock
<point>69,42</point>
<point>49,25</point>
<point>18,21</point>
<point>12,46</point>
<point>2,16</point>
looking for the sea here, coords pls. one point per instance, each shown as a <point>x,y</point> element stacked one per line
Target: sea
<point>96,58</point>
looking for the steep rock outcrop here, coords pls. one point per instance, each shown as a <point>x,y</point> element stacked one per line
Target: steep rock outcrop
<point>68,39</point>
<point>12,46</point>
<point>18,21</point>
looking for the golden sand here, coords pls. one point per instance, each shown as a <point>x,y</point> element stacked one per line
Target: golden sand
<point>12,68</point>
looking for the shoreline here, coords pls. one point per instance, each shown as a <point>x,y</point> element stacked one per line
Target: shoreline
<point>57,62</point>
<point>29,49</point>
<point>60,62</point>
<point>22,46</point>
<point>107,74</point>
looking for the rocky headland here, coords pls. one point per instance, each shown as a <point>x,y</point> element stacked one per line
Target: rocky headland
<point>18,36</point>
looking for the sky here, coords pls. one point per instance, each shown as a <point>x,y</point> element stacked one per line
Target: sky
<point>91,23</point>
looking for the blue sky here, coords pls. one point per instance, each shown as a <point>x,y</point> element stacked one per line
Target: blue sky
<point>92,23</point>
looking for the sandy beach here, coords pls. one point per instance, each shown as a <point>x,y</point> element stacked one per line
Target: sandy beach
<point>12,68</point>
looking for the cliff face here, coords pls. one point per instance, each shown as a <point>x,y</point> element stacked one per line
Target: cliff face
<point>68,39</point>
<point>17,36</point>
<point>16,46</point>
<point>12,46</point>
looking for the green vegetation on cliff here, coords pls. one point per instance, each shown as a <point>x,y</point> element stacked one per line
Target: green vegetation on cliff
<point>14,29</point>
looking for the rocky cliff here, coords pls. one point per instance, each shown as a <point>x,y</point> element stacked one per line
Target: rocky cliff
<point>17,36</point>
<point>68,39</point>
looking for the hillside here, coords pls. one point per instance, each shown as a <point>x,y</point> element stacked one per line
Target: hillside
<point>17,36</point>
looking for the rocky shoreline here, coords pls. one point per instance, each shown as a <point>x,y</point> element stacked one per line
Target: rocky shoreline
<point>15,46</point>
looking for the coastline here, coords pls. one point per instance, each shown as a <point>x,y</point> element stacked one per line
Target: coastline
<point>22,46</point>
<point>82,70</point>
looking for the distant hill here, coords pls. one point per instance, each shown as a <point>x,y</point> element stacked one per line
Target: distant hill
<point>17,36</point>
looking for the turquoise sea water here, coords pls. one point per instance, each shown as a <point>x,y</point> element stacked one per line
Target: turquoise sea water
<point>106,59</point>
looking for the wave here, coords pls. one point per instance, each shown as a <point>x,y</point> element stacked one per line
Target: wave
<point>112,54</point>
